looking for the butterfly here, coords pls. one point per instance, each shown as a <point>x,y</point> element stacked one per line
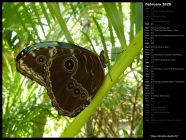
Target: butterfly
<point>71,74</point>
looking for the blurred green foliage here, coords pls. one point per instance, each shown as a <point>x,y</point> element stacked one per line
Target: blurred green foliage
<point>27,110</point>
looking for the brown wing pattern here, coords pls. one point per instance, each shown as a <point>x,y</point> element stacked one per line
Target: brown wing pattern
<point>71,74</point>
<point>71,91</point>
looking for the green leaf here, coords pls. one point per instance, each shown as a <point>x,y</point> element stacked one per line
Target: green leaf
<point>45,13</point>
<point>56,12</point>
<point>112,40</point>
<point>139,129</point>
<point>125,133</point>
<point>132,20</point>
<point>116,19</point>
<point>38,16</point>
<point>103,41</point>
<point>31,21</point>
<point>88,38</point>
<point>139,16</point>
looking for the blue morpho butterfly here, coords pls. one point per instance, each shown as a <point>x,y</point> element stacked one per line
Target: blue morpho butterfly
<point>71,74</point>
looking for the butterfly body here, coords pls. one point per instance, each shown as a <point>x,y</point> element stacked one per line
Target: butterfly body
<point>71,74</point>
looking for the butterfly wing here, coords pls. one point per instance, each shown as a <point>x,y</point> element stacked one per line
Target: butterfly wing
<point>71,74</point>
<point>30,61</point>
<point>70,78</point>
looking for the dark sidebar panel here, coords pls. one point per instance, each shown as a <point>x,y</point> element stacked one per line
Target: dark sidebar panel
<point>164,69</point>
